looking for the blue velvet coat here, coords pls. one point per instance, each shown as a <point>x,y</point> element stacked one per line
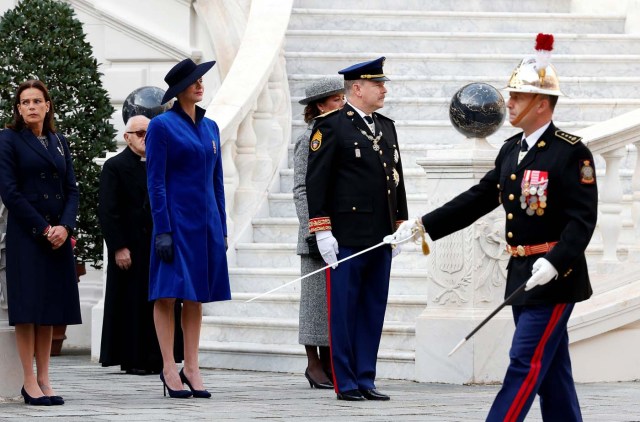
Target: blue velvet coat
<point>186,193</point>
<point>38,187</point>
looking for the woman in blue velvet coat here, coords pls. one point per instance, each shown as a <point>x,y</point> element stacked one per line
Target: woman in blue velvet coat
<point>39,189</point>
<point>186,192</point>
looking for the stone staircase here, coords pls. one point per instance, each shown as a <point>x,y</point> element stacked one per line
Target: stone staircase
<point>430,55</point>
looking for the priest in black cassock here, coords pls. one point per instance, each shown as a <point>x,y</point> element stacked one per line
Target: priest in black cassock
<point>128,333</point>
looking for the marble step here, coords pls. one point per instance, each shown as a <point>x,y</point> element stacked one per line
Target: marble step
<point>413,179</point>
<point>591,65</point>
<point>437,108</point>
<point>284,331</point>
<point>540,6</point>
<point>248,280</point>
<point>399,308</point>
<point>446,85</point>
<point>392,364</point>
<point>275,229</point>
<point>428,20</point>
<point>359,39</point>
<point>281,204</point>
<point>283,255</point>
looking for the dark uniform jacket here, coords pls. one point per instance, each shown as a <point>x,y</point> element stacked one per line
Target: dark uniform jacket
<point>354,188</point>
<point>568,217</point>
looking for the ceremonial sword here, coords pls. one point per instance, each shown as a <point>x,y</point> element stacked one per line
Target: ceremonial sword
<point>387,240</point>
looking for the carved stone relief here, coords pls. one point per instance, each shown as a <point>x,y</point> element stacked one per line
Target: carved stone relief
<point>471,264</point>
<point>491,257</point>
<point>451,270</point>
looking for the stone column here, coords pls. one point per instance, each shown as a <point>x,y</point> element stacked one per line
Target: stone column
<point>10,367</point>
<point>466,278</point>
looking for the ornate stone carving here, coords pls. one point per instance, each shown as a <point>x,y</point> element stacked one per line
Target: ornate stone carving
<point>491,257</point>
<point>451,270</point>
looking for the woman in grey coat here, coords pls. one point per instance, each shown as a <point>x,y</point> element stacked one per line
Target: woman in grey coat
<point>322,96</point>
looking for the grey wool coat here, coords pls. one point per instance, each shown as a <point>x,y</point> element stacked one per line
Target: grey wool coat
<point>313,324</point>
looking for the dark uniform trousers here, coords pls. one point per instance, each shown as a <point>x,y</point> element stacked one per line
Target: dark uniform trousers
<point>355,189</point>
<point>539,362</point>
<point>357,290</point>
<point>562,209</point>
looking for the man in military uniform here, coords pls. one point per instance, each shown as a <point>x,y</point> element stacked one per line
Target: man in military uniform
<point>356,197</point>
<point>545,180</point>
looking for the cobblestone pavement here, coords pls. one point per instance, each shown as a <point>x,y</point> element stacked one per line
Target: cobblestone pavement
<point>93,393</point>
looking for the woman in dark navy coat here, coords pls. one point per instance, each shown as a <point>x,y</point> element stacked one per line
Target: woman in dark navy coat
<point>39,189</point>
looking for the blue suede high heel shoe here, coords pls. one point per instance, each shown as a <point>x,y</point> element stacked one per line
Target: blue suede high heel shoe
<point>175,394</point>
<point>200,394</point>
<point>35,401</point>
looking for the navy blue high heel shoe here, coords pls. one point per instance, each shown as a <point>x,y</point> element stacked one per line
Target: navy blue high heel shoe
<point>175,394</point>
<point>35,401</point>
<point>200,394</point>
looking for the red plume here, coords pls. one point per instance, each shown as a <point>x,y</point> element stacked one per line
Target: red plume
<point>544,42</point>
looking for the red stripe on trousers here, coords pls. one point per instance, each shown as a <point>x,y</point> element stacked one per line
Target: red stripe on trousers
<point>535,366</point>
<point>333,372</point>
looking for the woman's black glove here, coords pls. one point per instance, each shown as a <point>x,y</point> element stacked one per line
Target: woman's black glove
<point>164,246</point>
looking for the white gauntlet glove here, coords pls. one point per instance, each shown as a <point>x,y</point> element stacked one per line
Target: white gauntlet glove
<point>328,247</point>
<point>409,230</point>
<point>542,272</point>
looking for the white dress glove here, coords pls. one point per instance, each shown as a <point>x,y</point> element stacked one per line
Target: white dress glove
<point>396,251</point>
<point>328,247</point>
<point>542,272</point>
<point>408,230</point>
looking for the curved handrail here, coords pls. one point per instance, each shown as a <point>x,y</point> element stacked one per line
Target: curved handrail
<point>258,52</point>
<point>612,134</point>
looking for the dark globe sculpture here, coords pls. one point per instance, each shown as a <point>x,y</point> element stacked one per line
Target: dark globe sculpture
<point>146,101</point>
<point>477,110</point>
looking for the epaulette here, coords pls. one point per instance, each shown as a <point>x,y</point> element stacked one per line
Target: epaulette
<point>327,113</point>
<point>572,139</point>
<point>384,117</point>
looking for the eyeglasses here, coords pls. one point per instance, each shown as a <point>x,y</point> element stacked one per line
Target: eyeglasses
<point>139,133</point>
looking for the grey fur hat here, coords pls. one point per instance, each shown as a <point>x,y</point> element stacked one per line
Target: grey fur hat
<point>323,88</point>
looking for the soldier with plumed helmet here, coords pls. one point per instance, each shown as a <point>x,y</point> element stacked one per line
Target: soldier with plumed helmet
<point>545,180</point>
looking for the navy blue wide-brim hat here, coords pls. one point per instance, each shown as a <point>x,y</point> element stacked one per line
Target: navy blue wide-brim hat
<point>371,70</point>
<point>182,75</point>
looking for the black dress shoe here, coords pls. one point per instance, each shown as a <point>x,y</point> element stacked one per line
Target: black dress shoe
<point>374,394</point>
<point>351,395</point>
<point>135,371</point>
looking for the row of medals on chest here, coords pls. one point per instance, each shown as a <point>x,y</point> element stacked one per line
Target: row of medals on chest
<point>534,198</point>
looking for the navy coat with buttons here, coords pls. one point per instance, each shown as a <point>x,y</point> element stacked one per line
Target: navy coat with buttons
<point>38,188</point>
<point>569,218</point>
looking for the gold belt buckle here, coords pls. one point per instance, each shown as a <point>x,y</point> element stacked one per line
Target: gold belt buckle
<point>520,250</point>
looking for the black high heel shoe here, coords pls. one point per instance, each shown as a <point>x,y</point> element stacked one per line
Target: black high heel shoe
<point>35,401</point>
<point>314,383</point>
<point>199,394</point>
<point>175,394</point>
